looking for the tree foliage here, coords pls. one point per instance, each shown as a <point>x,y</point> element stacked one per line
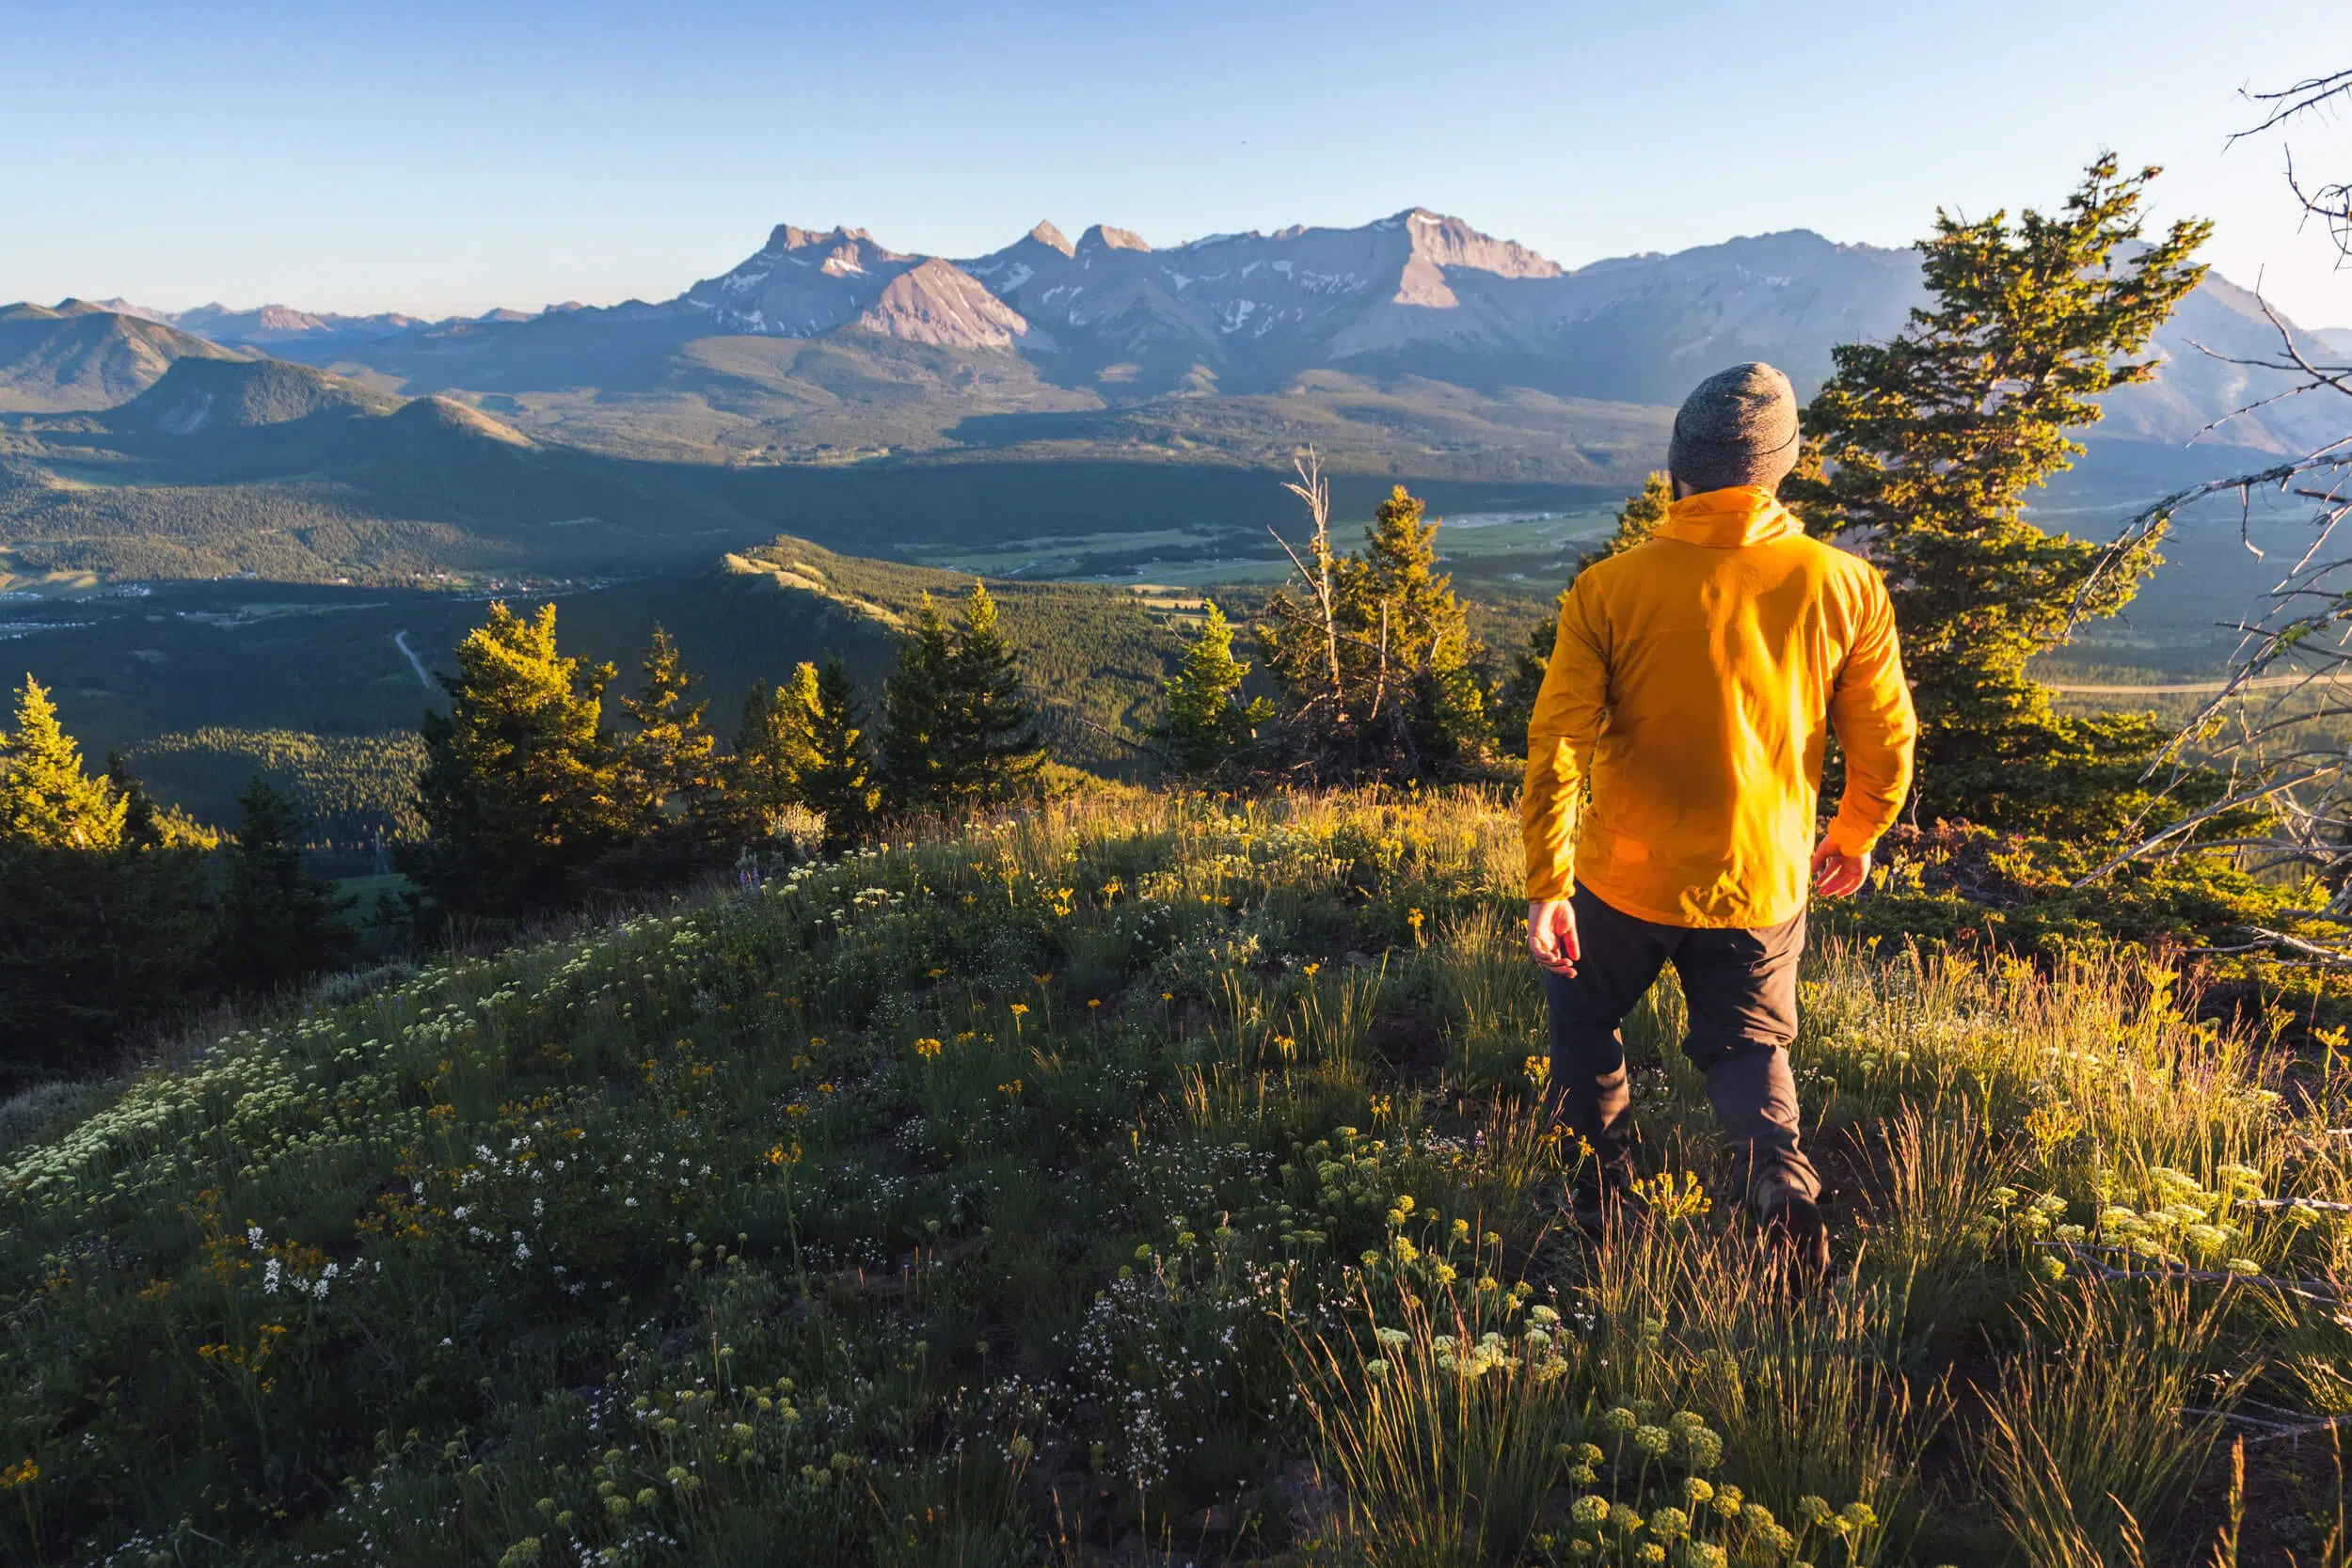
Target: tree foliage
<point>839,782</point>
<point>100,932</point>
<point>1923,453</point>
<point>519,776</point>
<point>994,750</point>
<point>46,799</point>
<point>1208,724</point>
<point>773,753</point>
<point>958,733</point>
<point>1371,653</point>
<point>278,923</point>
<point>918,726</point>
<point>668,778</point>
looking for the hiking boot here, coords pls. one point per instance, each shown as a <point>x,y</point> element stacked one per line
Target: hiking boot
<point>1795,1236</point>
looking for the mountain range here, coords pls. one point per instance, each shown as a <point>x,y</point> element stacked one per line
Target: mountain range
<point>1107,398</point>
<point>1114,322</point>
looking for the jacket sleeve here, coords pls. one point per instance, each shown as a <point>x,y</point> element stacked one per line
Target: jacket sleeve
<point>1870,710</point>
<point>1569,711</point>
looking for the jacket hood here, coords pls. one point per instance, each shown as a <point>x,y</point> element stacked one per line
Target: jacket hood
<point>1726,520</point>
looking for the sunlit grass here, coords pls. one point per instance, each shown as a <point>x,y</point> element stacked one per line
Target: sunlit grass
<point>1155,1171</point>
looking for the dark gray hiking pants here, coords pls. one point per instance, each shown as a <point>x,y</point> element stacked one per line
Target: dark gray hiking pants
<point>1741,988</point>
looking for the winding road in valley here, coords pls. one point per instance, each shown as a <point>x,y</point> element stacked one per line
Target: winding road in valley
<point>400,640</point>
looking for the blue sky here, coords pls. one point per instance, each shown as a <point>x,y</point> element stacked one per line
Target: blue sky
<point>445,157</point>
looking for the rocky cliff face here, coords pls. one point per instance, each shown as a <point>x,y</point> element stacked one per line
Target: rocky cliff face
<point>801,284</point>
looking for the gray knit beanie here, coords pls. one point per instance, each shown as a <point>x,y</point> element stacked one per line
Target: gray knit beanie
<point>1739,427</point>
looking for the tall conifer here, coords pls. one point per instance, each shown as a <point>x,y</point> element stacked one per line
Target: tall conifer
<point>838,780</point>
<point>918,717</point>
<point>1387,681</point>
<point>277,922</point>
<point>45,797</point>
<point>518,784</point>
<point>97,935</point>
<point>774,751</point>
<point>1925,448</point>
<point>1207,723</point>
<point>670,760</point>
<point>994,753</point>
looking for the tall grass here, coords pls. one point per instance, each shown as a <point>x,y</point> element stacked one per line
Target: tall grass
<point>2086,1443</point>
<point>1442,1429</point>
<point>1062,1184</point>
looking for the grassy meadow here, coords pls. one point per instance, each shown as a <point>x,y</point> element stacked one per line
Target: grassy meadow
<point>1152,1179</point>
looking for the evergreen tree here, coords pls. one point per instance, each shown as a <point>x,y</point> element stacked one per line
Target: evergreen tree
<point>97,936</point>
<point>774,751</point>
<point>838,780</point>
<point>278,923</point>
<point>1207,723</point>
<point>142,824</point>
<point>45,797</point>
<point>1924,450</point>
<point>919,737</point>
<point>1424,636</point>
<point>1374,656</point>
<point>670,774</point>
<point>993,752</point>
<point>520,780</point>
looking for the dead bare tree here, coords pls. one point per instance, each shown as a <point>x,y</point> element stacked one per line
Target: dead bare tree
<point>2311,98</point>
<point>1315,572</point>
<point>2279,726</point>
<point>1364,665</point>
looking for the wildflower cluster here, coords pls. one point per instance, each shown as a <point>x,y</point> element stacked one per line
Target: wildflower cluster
<point>2176,1222</point>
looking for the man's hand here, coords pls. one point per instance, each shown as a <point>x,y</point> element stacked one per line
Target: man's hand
<point>1552,934</point>
<point>1836,873</point>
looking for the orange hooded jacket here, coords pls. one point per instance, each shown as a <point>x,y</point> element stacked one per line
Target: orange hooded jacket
<point>1694,680</point>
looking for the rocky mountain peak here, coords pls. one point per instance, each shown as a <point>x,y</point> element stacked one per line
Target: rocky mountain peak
<point>1451,243</point>
<point>938,302</point>
<point>788,237</point>
<point>1051,237</point>
<point>1102,237</point>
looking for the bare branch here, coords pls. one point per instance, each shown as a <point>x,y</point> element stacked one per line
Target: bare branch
<point>2305,97</point>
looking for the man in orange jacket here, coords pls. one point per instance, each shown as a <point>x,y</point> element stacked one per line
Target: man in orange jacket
<point>1694,682</point>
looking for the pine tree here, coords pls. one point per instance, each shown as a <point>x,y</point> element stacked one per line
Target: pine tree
<point>670,774</point>
<point>1925,448</point>
<point>993,753</point>
<point>918,725</point>
<point>97,935</point>
<point>278,923</point>
<point>1374,656</point>
<point>142,824</point>
<point>773,753</point>
<point>45,797</point>
<point>1426,652</point>
<point>1207,723</point>
<point>520,780</point>
<point>839,782</point>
